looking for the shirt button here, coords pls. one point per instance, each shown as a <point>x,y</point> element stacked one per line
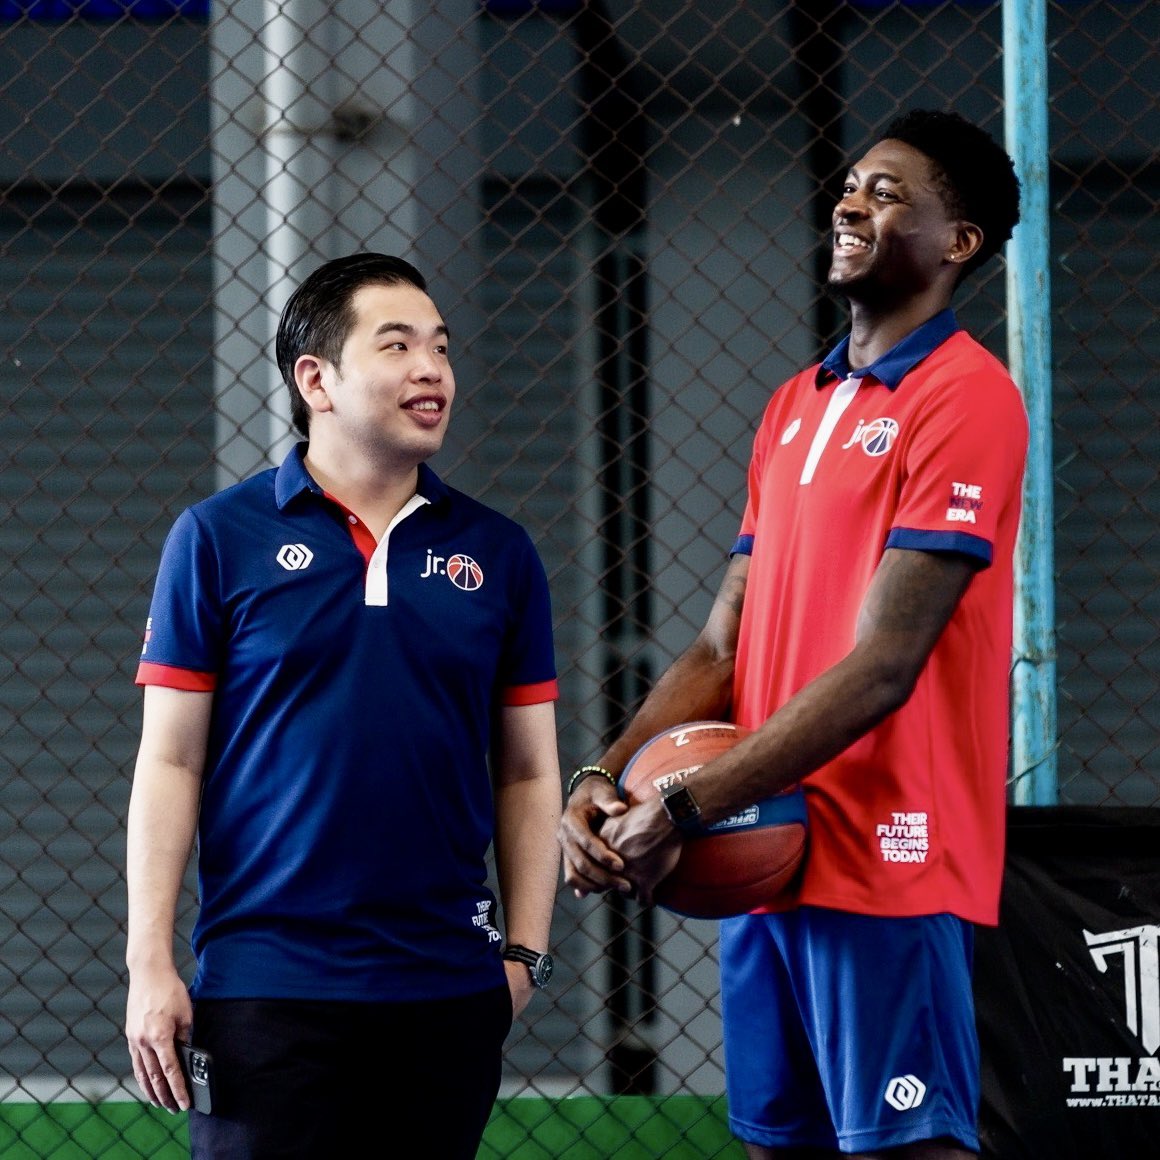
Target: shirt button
<point>353,519</point>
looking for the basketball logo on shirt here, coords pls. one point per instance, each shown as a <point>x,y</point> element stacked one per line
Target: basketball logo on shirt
<point>461,570</point>
<point>876,437</point>
<point>464,573</point>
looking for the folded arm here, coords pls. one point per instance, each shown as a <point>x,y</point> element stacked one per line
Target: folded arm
<point>908,604</point>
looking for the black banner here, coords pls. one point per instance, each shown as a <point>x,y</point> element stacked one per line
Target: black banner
<point>1068,989</point>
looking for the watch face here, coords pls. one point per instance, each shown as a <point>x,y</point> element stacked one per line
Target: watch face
<point>681,804</point>
<point>543,969</point>
<point>681,807</point>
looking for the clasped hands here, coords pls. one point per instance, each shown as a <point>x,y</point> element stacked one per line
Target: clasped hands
<point>609,845</point>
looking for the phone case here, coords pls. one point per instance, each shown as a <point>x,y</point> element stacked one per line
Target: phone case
<point>197,1067</point>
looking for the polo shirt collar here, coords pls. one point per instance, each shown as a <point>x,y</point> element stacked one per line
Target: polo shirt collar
<point>292,479</point>
<point>898,361</point>
<point>430,486</point>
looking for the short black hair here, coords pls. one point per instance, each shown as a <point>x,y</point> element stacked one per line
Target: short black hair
<point>319,315</point>
<point>977,176</point>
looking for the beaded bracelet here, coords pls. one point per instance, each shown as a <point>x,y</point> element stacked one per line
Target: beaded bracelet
<point>589,771</point>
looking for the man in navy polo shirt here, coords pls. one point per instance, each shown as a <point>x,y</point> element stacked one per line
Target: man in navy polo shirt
<point>349,694</point>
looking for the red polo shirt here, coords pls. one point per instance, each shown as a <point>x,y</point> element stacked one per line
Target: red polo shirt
<point>923,451</point>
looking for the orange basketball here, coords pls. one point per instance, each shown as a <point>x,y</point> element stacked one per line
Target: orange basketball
<point>740,863</point>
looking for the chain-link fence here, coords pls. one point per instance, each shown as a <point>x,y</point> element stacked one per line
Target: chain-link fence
<point>621,210</point>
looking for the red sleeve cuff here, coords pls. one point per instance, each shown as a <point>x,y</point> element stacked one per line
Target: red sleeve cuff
<point>172,677</point>
<point>531,694</point>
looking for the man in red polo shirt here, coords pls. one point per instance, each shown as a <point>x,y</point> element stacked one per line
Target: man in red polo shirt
<point>863,631</point>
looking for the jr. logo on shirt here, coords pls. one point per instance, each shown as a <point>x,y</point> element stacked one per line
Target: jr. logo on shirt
<point>461,570</point>
<point>876,436</point>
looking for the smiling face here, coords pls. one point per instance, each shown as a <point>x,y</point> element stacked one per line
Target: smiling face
<point>893,236</point>
<point>389,396</point>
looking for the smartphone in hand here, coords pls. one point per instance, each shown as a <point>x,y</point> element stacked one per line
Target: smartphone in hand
<point>197,1067</point>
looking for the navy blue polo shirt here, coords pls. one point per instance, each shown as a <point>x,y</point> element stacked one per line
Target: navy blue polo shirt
<point>347,809</point>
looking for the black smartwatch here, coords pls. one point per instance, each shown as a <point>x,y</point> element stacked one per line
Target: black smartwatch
<point>540,964</point>
<point>682,808</point>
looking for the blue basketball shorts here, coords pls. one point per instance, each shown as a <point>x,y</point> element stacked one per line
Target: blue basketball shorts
<point>848,1031</point>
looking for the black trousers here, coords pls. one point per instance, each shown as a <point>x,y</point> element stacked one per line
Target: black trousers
<point>323,1080</point>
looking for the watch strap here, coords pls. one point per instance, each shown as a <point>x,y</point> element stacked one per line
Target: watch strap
<point>540,964</point>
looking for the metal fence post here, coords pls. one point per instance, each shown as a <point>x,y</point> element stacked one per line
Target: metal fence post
<point>1033,767</point>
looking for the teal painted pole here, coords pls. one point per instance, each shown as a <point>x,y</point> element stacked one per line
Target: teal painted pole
<point>1034,720</point>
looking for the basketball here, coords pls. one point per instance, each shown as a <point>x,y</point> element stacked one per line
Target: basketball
<point>740,863</point>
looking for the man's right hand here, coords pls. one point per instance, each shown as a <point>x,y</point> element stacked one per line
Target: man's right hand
<point>158,1012</point>
<point>590,866</point>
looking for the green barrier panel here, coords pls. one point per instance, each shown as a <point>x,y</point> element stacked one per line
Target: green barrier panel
<point>610,1128</point>
<point>583,1128</point>
<point>80,1131</point>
